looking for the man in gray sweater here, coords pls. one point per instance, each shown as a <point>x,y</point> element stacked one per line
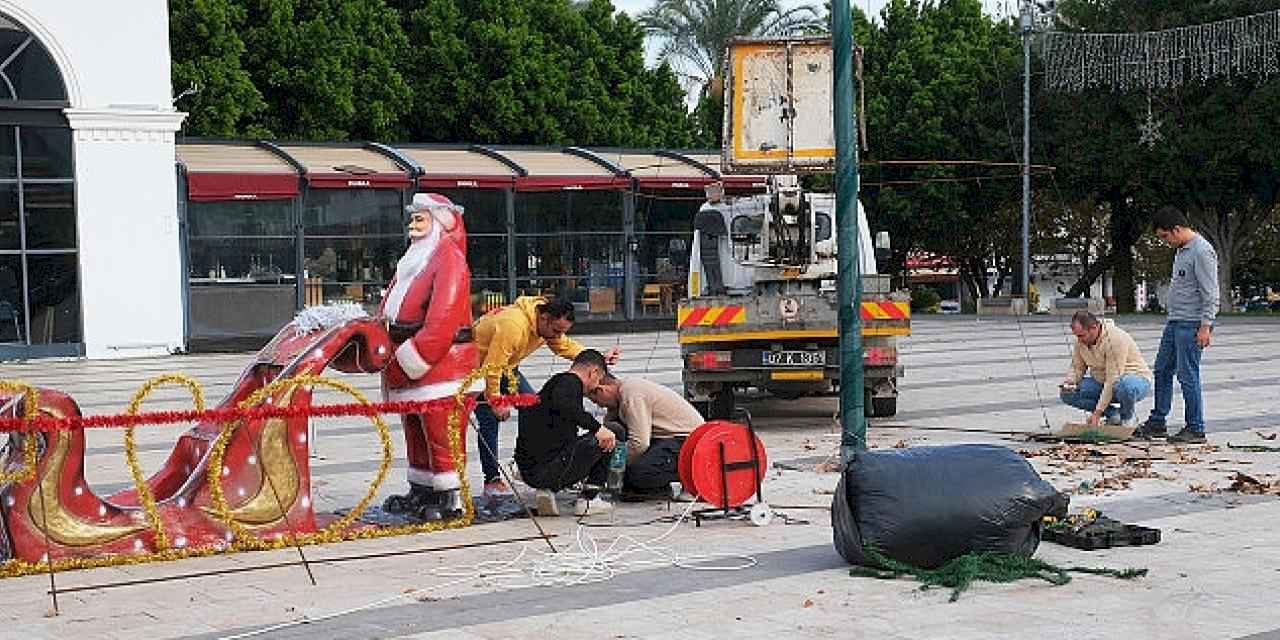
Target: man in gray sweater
<point>1193,305</point>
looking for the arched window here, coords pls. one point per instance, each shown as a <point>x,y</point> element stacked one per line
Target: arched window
<point>39,256</point>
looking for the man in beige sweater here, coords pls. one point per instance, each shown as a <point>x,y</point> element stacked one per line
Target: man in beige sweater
<point>1116,373</point>
<point>657,421</point>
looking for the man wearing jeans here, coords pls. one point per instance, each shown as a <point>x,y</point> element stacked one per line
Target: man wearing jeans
<point>1117,377</point>
<point>1193,305</point>
<point>505,338</point>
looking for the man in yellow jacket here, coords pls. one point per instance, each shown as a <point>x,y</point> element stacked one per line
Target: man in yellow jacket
<point>506,337</point>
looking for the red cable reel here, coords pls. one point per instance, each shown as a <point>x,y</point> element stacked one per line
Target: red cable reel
<point>716,464</point>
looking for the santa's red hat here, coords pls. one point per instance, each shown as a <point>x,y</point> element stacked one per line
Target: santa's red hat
<point>440,208</point>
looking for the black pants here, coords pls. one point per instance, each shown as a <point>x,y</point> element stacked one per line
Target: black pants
<point>579,460</point>
<point>656,468</point>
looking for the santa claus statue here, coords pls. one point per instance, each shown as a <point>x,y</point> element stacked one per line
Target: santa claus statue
<point>428,310</point>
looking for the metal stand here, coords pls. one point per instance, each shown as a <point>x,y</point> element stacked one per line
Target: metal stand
<point>740,512</point>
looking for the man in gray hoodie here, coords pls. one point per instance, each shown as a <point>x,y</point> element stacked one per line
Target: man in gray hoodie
<point>1193,305</point>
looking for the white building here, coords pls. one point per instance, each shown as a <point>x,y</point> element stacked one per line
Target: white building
<point>89,248</point>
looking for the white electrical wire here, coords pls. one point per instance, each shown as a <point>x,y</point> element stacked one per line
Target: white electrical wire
<point>588,564</point>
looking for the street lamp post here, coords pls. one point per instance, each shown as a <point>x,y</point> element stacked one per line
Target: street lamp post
<point>853,421</point>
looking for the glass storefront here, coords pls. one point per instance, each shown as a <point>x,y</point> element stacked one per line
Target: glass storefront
<point>323,245</point>
<point>572,244</point>
<point>353,239</point>
<point>664,230</point>
<point>241,254</point>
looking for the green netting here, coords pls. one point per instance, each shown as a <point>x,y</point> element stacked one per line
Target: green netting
<point>960,573</point>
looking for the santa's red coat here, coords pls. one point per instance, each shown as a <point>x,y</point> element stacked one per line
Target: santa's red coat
<point>433,362</point>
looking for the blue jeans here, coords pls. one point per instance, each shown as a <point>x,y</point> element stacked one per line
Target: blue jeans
<point>489,428</point>
<point>1127,391</point>
<point>1179,354</point>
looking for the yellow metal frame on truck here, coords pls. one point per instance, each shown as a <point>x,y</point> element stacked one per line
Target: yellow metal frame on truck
<point>879,318</point>
<point>799,334</point>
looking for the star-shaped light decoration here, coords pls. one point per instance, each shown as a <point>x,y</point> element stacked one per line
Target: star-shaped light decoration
<point>1150,130</point>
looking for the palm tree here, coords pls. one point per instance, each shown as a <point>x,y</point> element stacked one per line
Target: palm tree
<point>698,31</point>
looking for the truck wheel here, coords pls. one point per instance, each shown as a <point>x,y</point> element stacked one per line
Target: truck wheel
<point>884,407</point>
<point>721,405</point>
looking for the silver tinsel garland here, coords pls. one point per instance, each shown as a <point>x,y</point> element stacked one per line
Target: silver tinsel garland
<point>1245,46</point>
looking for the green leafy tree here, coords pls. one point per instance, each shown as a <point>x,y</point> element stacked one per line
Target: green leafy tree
<point>935,78</point>
<point>536,72</point>
<point>327,68</point>
<point>207,52</point>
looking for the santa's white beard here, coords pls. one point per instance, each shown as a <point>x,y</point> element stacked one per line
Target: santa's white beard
<point>408,268</point>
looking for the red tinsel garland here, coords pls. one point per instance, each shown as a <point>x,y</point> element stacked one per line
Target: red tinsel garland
<point>71,423</point>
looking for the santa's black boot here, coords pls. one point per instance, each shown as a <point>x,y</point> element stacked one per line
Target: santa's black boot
<point>429,510</point>
<point>409,502</point>
<point>451,504</point>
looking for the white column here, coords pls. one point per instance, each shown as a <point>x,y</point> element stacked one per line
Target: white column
<point>127,220</point>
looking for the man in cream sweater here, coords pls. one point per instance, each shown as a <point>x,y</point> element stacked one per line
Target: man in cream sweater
<point>1106,368</point>
<point>657,421</point>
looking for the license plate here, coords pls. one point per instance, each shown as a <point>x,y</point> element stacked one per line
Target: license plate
<point>795,358</point>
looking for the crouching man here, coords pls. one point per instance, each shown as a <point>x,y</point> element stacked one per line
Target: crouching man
<point>1116,372</point>
<point>657,420</point>
<point>559,444</point>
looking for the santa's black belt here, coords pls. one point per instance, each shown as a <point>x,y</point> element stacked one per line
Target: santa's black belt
<point>402,331</point>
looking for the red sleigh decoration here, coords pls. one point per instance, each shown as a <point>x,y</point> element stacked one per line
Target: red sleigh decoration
<point>266,474</point>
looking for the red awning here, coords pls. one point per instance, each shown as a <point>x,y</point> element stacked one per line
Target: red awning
<point>438,181</point>
<point>358,181</point>
<point>217,186</point>
<point>572,183</point>
<point>691,183</point>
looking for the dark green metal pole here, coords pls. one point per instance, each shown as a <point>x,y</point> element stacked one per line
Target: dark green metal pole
<point>853,422</point>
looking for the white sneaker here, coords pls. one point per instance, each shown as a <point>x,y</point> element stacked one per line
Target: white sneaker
<point>594,506</point>
<point>497,489</point>
<point>545,503</point>
<point>1114,421</point>
<point>1131,423</point>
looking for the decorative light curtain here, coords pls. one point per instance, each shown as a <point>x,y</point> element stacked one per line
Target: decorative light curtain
<point>1152,60</point>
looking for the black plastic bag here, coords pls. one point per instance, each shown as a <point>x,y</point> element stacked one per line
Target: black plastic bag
<point>927,505</point>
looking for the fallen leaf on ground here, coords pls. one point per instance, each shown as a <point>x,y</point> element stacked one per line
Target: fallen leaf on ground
<point>807,603</point>
<point>827,467</point>
<point>1246,484</point>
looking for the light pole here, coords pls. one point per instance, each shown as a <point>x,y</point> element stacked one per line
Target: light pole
<point>1025,276</point>
<point>853,421</point>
